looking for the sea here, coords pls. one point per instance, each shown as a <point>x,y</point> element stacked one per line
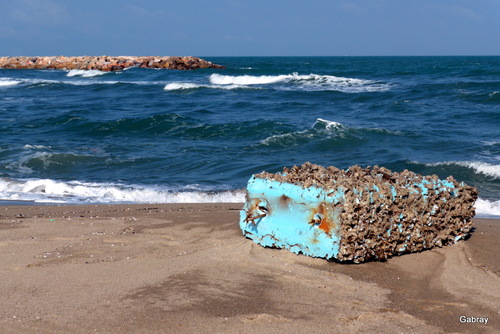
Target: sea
<point>168,136</point>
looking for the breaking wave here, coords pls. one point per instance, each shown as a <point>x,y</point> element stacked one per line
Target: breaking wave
<point>173,86</point>
<point>487,208</point>
<point>309,82</point>
<point>181,85</point>
<point>8,82</point>
<point>74,192</point>
<point>321,128</point>
<point>484,168</point>
<point>324,131</point>
<point>219,79</point>
<point>84,73</point>
<point>50,191</point>
<point>47,82</point>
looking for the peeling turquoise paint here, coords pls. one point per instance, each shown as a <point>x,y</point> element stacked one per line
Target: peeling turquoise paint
<point>307,220</point>
<point>292,216</point>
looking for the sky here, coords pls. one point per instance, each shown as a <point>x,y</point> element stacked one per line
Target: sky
<point>249,27</point>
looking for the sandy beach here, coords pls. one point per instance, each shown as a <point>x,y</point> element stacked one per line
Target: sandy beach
<point>186,268</point>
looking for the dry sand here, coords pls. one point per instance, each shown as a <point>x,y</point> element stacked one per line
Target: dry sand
<point>187,268</point>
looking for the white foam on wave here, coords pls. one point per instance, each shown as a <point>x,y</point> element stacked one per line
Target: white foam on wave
<point>45,82</point>
<point>181,86</point>
<point>46,190</point>
<point>219,79</point>
<point>82,81</point>
<point>331,125</point>
<point>50,191</point>
<point>321,127</point>
<point>35,147</point>
<point>173,86</point>
<point>484,168</point>
<point>286,139</point>
<point>309,82</point>
<point>84,73</point>
<point>21,165</point>
<point>8,82</point>
<point>487,208</point>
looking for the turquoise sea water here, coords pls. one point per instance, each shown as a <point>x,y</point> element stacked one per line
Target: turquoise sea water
<point>146,135</point>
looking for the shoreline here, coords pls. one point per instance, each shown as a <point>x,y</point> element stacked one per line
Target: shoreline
<point>187,268</point>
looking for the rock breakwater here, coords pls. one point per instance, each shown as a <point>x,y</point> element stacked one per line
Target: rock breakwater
<point>105,63</point>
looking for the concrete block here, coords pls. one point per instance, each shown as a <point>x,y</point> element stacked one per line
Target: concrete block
<point>357,214</point>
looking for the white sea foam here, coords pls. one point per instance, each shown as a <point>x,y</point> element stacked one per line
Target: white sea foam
<point>8,82</point>
<point>39,82</point>
<point>181,86</point>
<point>321,127</point>
<point>490,142</point>
<point>478,166</point>
<point>287,139</point>
<point>35,147</point>
<point>309,82</point>
<point>219,79</point>
<point>173,86</point>
<point>487,208</point>
<point>50,191</point>
<point>21,165</point>
<point>73,82</point>
<point>46,190</point>
<point>331,125</point>
<point>84,73</point>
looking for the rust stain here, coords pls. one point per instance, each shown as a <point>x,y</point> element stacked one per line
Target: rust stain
<point>255,211</point>
<point>320,217</point>
<point>314,240</point>
<point>284,201</point>
<point>325,226</point>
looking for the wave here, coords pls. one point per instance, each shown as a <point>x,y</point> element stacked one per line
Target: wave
<point>73,192</point>
<point>72,82</point>
<point>330,125</point>
<point>494,96</point>
<point>479,167</point>
<point>486,208</point>
<point>321,128</point>
<point>173,86</point>
<point>51,191</point>
<point>8,82</point>
<point>84,73</point>
<point>181,85</point>
<point>325,131</point>
<point>310,82</point>
<point>219,79</point>
<point>35,147</point>
<point>294,81</point>
<point>46,82</point>
<point>41,160</point>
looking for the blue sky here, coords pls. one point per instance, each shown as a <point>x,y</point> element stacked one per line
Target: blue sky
<point>249,27</point>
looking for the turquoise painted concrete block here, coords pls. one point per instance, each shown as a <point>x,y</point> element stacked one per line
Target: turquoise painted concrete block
<point>355,215</point>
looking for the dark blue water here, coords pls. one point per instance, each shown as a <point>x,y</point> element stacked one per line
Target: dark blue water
<point>145,135</point>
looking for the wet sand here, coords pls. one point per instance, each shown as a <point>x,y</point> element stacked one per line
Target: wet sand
<point>186,268</point>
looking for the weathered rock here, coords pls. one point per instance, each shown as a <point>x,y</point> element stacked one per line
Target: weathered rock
<point>105,63</point>
<point>357,214</point>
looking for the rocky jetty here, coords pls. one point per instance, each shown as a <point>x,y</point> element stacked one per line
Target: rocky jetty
<point>105,63</point>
